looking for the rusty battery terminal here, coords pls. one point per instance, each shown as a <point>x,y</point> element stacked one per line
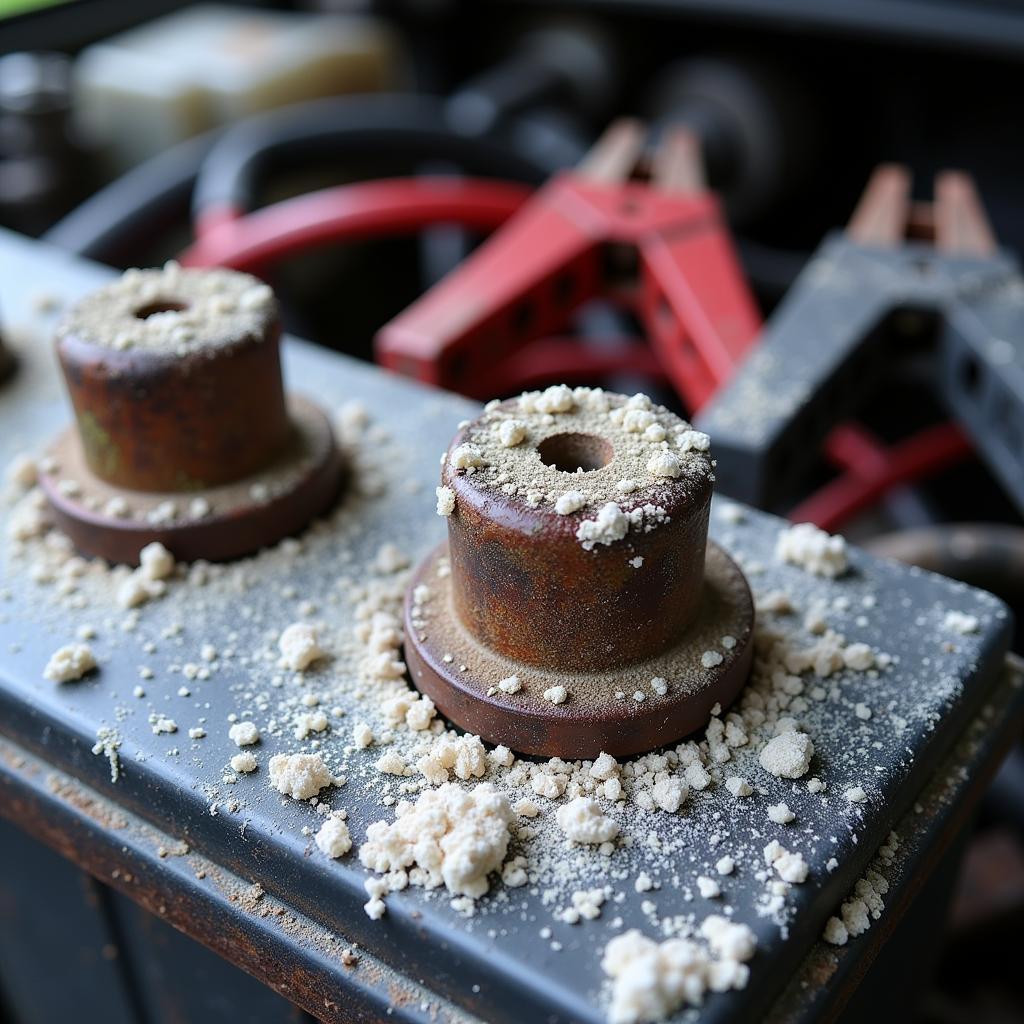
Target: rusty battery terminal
<point>183,432</point>
<point>578,605</point>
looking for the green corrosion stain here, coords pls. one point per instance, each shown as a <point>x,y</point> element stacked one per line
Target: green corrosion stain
<point>100,450</point>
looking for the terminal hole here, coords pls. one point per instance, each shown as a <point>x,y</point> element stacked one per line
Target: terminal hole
<point>571,452</point>
<point>160,306</point>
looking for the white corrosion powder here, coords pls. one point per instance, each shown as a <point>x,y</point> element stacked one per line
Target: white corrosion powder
<point>665,463</point>
<point>69,663</point>
<point>311,721</point>
<point>22,471</point>
<point>555,399</point>
<point>299,775</point>
<point>511,432</point>
<point>787,756</point>
<point>866,902</point>
<point>333,839</point>
<point>465,757</point>
<point>694,441</point>
<point>859,657</point>
<point>155,562</point>
<point>790,867</point>
<point>449,836</point>
<point>137,589</point>
<point>391,763</point>
<point>243,763</point>
<point>780,813</point>
<point>738,786</point>
<point>244,734</point>
<point>611,524</point>
<point>835,932</point>
<point>960,622</point>
<point>708,888</point>
<point>466,456</point>
<point>651,980</point>
<point>299,646</point>
<point>583,821</point>
<point>203,309</point>
<point>445,500</point>
<point>670,793</point>
<point>605,767</point>
<point>812,549</point>
<point>571,501</point>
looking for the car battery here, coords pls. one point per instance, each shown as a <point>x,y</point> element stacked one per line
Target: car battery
<point>882,668</point>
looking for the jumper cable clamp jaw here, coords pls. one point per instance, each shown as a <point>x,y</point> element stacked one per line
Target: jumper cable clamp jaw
<point>659,246</point>
<point>934,264</point>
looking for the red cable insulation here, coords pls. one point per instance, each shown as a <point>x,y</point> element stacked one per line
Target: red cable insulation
<point>254,241</point>
<point>907,461</point>
<point>851,447</point>
<point>347,213</point>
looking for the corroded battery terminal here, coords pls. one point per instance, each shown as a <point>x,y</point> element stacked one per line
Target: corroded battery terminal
<point>183,432</point>
<point>577,605</point>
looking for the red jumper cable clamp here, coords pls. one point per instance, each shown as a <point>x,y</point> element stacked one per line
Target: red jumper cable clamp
<point>660,246</point>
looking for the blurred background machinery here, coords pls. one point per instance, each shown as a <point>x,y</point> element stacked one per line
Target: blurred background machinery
<point>355,153</point>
